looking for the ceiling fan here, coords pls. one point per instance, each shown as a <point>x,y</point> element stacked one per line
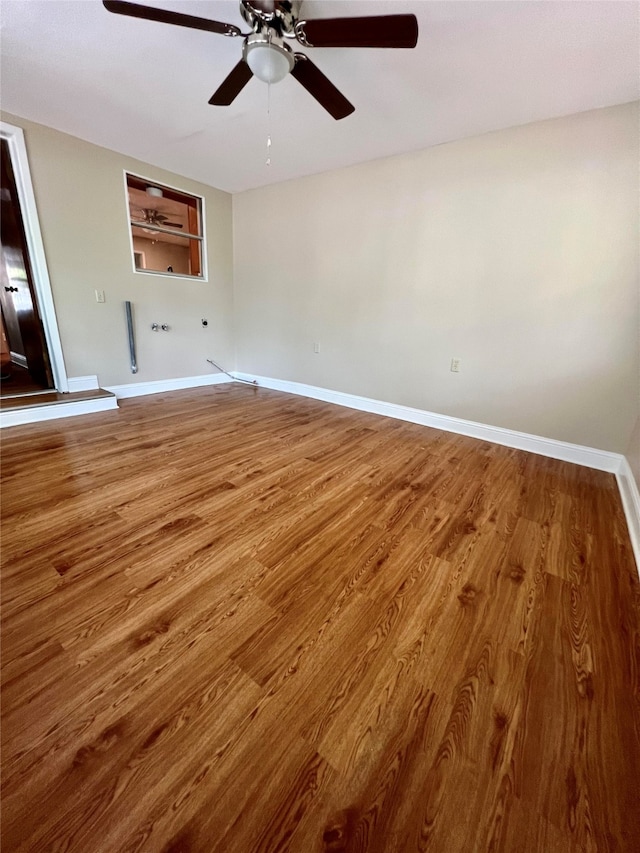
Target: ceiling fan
<point>153,217</point>
<point>266,54</point>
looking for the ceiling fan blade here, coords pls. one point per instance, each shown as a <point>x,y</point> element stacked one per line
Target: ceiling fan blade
<point>171,225</point>
<point>232,85</point>
<point>137,10</point>
<point>376,31</point>
<point>320,87</point>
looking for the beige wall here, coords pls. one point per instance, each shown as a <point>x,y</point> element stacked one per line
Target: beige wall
<point>82,207</point>
<point>516,252</point>
<point>633,452</point>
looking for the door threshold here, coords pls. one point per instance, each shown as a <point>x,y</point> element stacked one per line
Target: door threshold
<point>50,405</point>
<point>51,397</point>
<point>19,394</point>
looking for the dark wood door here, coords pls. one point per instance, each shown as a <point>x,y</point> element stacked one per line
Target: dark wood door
<point>17,294</point>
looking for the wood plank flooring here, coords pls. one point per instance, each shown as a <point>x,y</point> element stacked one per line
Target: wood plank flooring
<point>17,380</point>
<point>235,620</point>
<point>51,398</point>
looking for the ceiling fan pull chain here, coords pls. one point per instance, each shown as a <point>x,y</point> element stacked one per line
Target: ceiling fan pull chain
<point>268,163</point>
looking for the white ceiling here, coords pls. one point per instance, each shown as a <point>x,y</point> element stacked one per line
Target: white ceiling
<point>141,87</point>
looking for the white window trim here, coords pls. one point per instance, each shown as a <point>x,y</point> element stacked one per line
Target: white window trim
<point>203,241</point>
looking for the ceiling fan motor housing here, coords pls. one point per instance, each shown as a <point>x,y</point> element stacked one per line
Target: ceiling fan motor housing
<point>279,16</point>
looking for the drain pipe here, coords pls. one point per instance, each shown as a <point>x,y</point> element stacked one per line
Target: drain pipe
<point>132,343</point>
<point>252,382</point>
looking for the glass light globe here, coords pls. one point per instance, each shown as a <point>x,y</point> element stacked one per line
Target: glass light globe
<point>268,62</point>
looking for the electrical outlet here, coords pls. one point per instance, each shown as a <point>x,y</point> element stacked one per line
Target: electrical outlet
<point>100,296</point>
<point>316,347</point>
<point>455,365</point>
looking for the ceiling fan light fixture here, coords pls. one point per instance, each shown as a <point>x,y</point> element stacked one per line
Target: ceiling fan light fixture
<point>268,61</point>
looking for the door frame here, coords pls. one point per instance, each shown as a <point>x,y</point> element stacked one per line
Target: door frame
<point>14,137</point>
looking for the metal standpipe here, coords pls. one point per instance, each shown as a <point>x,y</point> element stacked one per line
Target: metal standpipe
<point>132,342</point>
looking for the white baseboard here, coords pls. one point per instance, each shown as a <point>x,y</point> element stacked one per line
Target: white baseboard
<point>18,358</point>
<point>83,383</point>
<point>590,457</point>
<point>35,414</point>
<point>631,503</point>
<point>139,389</point>
<point>603,460</point>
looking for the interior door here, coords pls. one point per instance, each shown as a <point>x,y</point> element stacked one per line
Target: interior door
<point>17,294</point>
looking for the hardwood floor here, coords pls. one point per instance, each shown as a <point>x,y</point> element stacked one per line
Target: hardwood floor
<point>17,380</point>
<point>235,620</point>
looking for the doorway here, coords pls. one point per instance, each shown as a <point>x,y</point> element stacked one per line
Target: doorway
<point>30,351</point>
<point>26,367</point>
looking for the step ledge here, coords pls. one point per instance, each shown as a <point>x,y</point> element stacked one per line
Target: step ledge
<point>30,414</point>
